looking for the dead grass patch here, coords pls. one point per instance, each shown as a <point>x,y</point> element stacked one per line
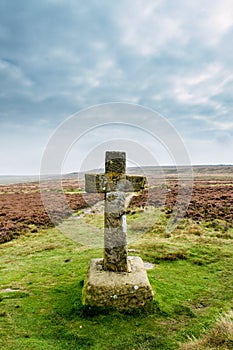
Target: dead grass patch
<point>219,337</point>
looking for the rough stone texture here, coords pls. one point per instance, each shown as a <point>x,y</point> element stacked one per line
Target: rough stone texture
<point>134,183</point>
<point>124,291</point>
<point>115,162</point>
<point>116,281</point>
<point>115,243</point>
<point>103,183</point>
<point>95,183</point>
<point>114,183</point>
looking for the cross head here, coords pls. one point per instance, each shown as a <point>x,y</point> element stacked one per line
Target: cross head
<point>114,183</point>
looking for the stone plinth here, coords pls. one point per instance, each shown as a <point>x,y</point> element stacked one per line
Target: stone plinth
<point>123,291</point>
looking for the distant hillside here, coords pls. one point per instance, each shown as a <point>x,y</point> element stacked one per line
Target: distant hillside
<point>198,170</point>
<point>11,179</point>
<point>169,170</point>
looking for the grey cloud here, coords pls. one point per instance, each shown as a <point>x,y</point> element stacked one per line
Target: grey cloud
<point>59,56</point>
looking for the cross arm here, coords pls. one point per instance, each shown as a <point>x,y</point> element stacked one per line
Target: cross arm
<point>95,183</point>
<point>135,183</point>
<point>102,183</point>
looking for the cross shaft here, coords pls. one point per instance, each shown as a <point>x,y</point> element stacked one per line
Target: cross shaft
<point>114,183</point>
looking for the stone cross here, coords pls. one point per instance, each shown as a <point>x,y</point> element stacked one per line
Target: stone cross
<point>114,183</point>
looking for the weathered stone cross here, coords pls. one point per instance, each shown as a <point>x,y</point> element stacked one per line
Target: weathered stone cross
<point>114,183</point>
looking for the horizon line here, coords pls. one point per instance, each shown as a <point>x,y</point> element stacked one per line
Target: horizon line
<point>128,167</point>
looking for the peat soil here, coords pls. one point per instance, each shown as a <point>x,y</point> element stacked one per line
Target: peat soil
<point>22,208</point>
<point>211,200</point>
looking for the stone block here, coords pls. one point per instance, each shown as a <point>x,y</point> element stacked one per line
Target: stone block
<point>123,290</point>
<point>95,183</point>
<point>115,162</point>
<point>102,183</point>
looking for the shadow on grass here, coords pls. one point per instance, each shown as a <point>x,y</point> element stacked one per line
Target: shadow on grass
<point>107,326</point>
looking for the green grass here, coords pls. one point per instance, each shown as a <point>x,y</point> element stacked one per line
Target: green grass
<point>41,283</point>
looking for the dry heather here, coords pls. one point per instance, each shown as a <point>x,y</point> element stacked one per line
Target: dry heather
<point>220,337</point>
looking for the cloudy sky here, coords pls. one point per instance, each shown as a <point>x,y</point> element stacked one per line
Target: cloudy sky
<point>58,57</point>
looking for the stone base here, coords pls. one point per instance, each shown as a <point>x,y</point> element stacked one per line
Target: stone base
<point>120,290</point>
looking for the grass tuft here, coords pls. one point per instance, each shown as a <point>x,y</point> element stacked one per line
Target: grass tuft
<point>219,337</point>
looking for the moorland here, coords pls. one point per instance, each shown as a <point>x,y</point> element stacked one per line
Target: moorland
<point>42,270</point>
